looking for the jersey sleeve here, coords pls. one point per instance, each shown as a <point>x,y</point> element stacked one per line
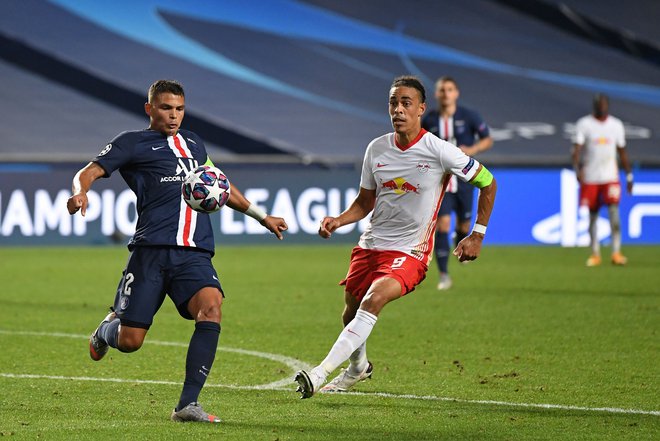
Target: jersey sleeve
<point>116,154</point>
<point>367,179</point>
<point>458,163</point>
<point>579,137</point>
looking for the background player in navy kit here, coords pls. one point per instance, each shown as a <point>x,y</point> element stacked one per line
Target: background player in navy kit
<point>171,250</point>
<point>462,127</point>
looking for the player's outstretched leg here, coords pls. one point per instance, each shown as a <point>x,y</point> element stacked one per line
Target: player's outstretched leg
<point>193,412</point>
<point>98,346</point>
<point>347,379</point>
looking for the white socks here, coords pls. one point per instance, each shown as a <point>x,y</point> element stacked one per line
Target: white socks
<point>350,343</point>
<point>615,224</point>
<point>593,233</point>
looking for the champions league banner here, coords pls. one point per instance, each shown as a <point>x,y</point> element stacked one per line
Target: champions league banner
<point>533,206</point>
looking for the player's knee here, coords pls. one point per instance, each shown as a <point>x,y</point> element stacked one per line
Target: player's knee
<point>373,302</point>
<point>444,222</point>
<point>130,342</point>
<point>210,311</point>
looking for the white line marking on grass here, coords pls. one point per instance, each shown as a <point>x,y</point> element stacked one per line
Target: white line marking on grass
<point>510,404</point>
<point>295,365</point>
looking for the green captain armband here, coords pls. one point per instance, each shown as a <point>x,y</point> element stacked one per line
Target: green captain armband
<point>209,162</point>
<point>483,178</point>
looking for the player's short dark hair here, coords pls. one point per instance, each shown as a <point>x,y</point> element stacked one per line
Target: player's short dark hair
<point>600,96</point>
<point>410,81</point>
<point>165,86</point>
<point>447,78</point>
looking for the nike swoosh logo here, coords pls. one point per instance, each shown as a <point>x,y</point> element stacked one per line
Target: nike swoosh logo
<point>354,333</point>
<point>215,278</point>
<point>158,148</point>
<point>379,165</point>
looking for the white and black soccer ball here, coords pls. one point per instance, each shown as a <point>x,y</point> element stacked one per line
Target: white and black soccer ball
<point>206,189</point>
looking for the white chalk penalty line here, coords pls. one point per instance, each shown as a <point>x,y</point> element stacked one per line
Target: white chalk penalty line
<point>292,363</point>
<point>297,365</point>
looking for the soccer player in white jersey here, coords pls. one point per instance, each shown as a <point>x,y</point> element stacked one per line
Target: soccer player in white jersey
<point>404,177</point>
<point>598,139</point>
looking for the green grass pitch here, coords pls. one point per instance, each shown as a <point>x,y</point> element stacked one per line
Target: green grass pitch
<point>523,327</point>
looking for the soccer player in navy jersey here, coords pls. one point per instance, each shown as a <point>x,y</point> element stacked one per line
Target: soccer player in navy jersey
<point>171,251</point>
<point>464,128</point>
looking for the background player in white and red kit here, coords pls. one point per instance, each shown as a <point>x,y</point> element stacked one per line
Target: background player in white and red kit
<point>171,250</point>
<point>404,176</point>
<point>599,137</point>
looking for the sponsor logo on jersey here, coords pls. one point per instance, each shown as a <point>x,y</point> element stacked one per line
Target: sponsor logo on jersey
<point>183,167</point>
<point>400,186</point>
<point>469,165</point>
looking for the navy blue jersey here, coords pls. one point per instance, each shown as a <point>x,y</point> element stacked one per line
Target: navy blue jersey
<point>466,126</point>
<point>154,166</point>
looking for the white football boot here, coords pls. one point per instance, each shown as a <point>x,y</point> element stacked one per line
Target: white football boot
<point>345,380</point>
<point>309,383</point>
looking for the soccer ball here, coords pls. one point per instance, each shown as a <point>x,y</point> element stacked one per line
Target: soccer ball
<point>206,189</point>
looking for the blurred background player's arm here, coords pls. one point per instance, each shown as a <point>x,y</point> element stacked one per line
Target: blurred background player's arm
<point>576,155</point>
<point>479,147</point>
<point>625,163</point>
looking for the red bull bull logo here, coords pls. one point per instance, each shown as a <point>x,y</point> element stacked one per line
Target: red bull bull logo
<point>400,186</point>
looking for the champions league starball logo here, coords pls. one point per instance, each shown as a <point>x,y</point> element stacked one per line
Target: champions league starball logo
<point>570,227</point>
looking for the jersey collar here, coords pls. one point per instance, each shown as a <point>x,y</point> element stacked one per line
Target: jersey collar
<point>403,148</point>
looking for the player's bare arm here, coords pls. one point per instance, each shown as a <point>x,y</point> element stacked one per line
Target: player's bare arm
<point>625,163</point>
<point>358,210</point>
<point>479,147</point>
<point>576,155</point>
<point>82,182</point>
<point>273,224</point>
<point>470,247</point>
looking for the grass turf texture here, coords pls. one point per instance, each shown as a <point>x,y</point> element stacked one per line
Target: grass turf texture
<point>521,325</point>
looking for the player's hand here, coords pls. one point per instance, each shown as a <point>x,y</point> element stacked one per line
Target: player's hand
<point>275,225</point>
<point>77,202</point>
<point>328,226</point>
<point>469,248</point>
<point>629,187</point>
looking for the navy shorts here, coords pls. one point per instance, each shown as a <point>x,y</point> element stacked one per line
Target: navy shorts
<point>154,272</point>
<point>460,202</point>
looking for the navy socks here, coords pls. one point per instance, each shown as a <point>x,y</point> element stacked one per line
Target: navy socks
<point>442,250</point>
<point>201,353</point>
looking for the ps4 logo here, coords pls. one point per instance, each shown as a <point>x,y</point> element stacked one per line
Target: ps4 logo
<point>570,226</point>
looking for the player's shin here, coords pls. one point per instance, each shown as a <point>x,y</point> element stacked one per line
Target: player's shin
<point>615,225</point>
<point>350,339</point>
<point>109,332</point>
<point>593,233</point>
<point>201,353</point>
<point>358,360</point>
<point>442,250</point>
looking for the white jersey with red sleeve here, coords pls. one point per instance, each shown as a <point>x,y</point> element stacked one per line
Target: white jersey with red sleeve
<point>600,140</point>
<point>410,182</point>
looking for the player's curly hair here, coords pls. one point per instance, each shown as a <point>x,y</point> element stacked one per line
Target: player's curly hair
<point>165,86</point>
<point>410,81</point>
